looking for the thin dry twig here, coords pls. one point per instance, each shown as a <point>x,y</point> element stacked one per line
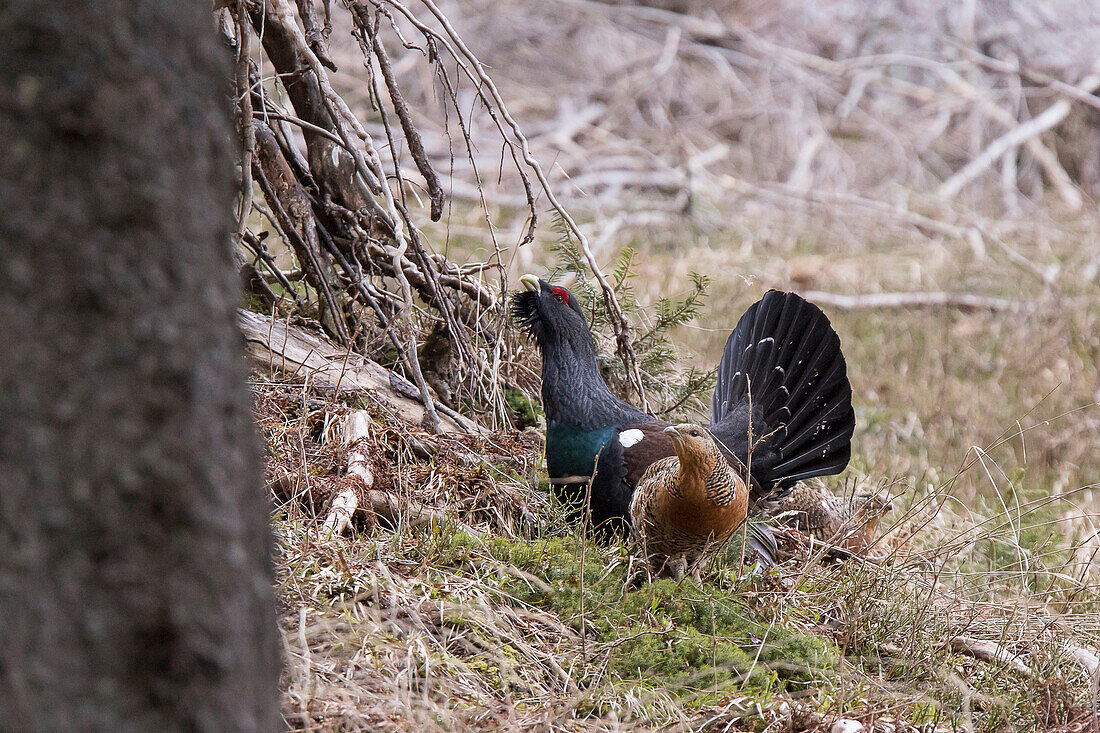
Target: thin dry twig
<point>1015,137</point>
<point>910,300</point>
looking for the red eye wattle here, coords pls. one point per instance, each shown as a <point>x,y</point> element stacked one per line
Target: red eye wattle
<point>560,294</point>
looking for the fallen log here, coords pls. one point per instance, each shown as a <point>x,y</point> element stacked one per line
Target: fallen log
<point>991,652</point>
<point>278,346</point>
<point>414,514</point>
<point>358,489</point>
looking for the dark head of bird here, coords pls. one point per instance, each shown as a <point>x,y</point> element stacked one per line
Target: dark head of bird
<point>552,316</point>
<point>573,391</point>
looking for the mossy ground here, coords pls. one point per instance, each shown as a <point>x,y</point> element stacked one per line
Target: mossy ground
<point>465,619</point>
<point>690,639</point>
<point>982,424</point>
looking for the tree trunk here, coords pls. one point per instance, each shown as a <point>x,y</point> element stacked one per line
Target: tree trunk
<point>135,588</point>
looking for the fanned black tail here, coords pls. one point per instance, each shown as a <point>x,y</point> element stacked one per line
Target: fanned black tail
<point>784,359</point>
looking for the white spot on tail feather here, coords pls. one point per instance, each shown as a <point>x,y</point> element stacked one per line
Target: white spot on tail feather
<point>629,437</point>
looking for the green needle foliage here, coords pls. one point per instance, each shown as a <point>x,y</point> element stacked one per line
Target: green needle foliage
<point>672,389</point>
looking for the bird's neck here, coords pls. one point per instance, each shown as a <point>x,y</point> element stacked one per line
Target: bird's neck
<point>708,483</point>
<point>574,392</point>
<point>693,474</point>
<point>700,507</point>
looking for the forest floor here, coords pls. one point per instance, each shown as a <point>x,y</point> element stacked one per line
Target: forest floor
<point>480,608</point>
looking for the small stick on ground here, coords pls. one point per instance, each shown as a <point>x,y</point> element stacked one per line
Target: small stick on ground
<point>992,652</point>
<point>344,504</point>
<point>414,514</point>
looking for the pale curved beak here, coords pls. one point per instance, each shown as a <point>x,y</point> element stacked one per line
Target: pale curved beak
<point>530,282</point>
<point>671,432</point>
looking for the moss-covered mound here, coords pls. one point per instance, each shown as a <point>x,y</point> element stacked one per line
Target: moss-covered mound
<point>688,638</point>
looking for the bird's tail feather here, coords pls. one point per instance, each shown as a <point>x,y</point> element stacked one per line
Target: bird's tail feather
<point>784,357</point>
<point>762,542</point>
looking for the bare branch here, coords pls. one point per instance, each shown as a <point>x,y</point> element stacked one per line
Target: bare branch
<point>1015,137</point>
<point>964,301</point>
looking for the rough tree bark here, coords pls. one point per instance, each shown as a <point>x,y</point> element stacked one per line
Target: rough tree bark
<point>135,587</point>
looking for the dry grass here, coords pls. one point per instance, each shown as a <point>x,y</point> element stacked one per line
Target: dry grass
<point>431,628</point>
<point>677,128</point>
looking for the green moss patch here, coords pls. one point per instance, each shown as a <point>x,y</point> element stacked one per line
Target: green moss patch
<point>691,640</point>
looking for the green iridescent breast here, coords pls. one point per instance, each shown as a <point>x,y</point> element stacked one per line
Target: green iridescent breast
<point>572,452</point>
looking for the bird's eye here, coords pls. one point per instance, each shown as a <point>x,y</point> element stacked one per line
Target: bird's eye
<point>695,433</point>
<point>560,294</point>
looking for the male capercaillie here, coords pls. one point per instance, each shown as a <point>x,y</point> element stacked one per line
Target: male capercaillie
<point>782,376</point>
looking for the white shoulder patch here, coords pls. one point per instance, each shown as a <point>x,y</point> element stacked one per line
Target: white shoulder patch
<point>629,437</point>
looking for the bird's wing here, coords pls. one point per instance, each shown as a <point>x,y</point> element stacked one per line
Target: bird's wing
<point>623,458</point>
<point>761,541</point>
<point>656,475</point>
<point>642,445</point>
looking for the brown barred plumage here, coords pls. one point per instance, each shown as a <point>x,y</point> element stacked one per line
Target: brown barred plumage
<point>687,506</point>
<point>849,524</point>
